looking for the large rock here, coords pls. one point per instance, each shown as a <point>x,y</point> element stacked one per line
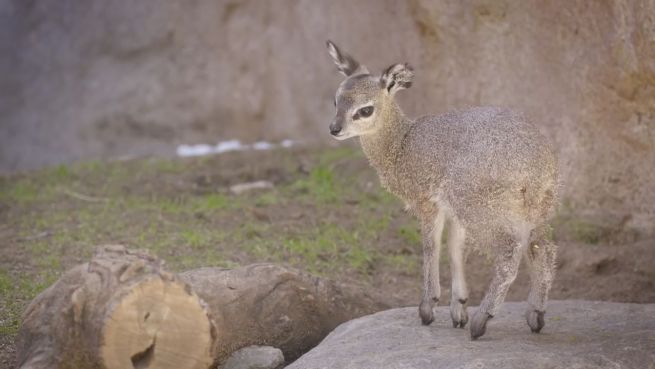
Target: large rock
<point>578,334</point>
<point>95,78</point>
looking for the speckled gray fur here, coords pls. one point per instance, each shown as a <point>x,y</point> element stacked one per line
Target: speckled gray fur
<point>486,172</point>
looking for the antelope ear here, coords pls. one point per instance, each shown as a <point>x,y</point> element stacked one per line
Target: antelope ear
<point>346,64</point>
<point>397,77</point>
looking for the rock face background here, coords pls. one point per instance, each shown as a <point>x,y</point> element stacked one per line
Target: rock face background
<point>92,78</point>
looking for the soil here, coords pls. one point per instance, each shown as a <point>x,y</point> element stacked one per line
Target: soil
<point>326,214</point>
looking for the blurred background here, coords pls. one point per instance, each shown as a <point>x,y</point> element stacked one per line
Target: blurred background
<point>105,79</point>
<point>97,98</point>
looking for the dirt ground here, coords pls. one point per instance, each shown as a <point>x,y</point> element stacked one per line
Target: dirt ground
<point>326,214</point>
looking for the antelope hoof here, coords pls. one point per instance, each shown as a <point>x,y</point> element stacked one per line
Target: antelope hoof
<point>458,313</point>
<point>479,324</point>
<point>425,312</point>
<point>535,320</point>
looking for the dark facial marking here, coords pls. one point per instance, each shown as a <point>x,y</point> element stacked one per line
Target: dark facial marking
<point>364,112</point>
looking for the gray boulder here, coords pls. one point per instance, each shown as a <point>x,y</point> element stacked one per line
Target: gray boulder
<point>578,334</point>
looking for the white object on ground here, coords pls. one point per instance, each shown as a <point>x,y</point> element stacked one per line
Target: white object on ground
<point>226,146</point>
<point>231,145</point>
<point>262,145</point>
<point>194,150</point>
<point>240,188</point>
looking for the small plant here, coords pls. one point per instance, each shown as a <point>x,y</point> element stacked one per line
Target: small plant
<point>410,234</point>
<point>193,238</point>
<point>585,232</point>
<point>215,201</point>
<point>319,185</point>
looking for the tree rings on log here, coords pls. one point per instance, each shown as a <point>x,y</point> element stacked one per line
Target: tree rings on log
<point>157,324</point>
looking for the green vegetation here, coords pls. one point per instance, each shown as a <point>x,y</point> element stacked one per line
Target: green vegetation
<point>326,214</point>
<point>585,232</point>
<point>410,234</point>
<point>16,291</point>
<point>568,227</point>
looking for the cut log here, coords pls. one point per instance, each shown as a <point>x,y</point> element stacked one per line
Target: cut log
<point>272,305</point>
<point>122,310</point>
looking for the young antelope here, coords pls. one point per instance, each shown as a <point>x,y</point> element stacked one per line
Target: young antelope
<point>485,172</point>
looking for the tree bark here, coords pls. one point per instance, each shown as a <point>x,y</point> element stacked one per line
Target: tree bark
<point>273,305</point>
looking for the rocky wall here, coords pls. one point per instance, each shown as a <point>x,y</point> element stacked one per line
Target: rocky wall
<point>90,78</point>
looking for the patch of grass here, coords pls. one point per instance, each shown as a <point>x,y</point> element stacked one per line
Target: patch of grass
<point>11,326</point>
<point>165,166</point>
<point>59,173</point>
<point>407,264</point>
<point>339,153</point>
<point>306,248</point>
<point>359,258</point>
<point>267,198</point>
<point>319,185</point>
<point>585,232</point>
<point>568,227</point>
<point>251,231</point>
<point>410,234</point>
<point>93,166</point>
<point>212,202</point>
<point>179,204</point>
<point>5,283</point>
<point>193,238</point>
<point>49,262</point>
<point>97,176</point>
<point>265,249</point>
<point>56,175</point>
<point>20,192</point>
<point>11,308</point>
<point>375,222</point>
<point>171,205</point>
<point>200,238</point>
<point>16,291</point>
<point>31,287</point>
<point>329,248</point>
<point>209,258</point>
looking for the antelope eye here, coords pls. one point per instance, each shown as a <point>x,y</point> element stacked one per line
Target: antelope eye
<point>335,103</point>
<point>364,112</point>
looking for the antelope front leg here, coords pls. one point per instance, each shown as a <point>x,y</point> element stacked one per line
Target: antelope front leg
<point>459,291</point>
<point>431,229</point>
<point>506,267</point>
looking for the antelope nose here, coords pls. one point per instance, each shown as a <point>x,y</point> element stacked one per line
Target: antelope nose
<point>334,129</point>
